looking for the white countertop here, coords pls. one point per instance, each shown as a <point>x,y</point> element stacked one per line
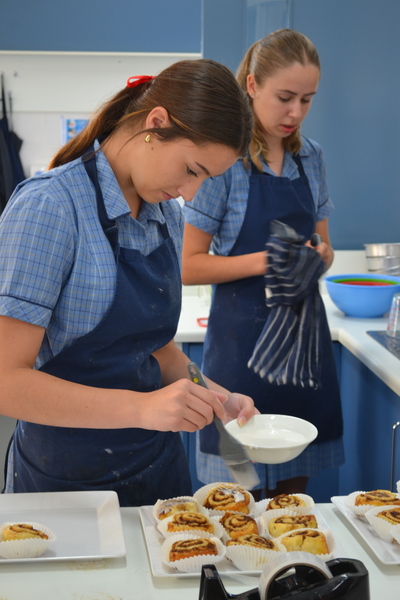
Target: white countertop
<point>350,332</point>
<point>130,578</point>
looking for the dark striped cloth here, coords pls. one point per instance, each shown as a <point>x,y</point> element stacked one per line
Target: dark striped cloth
<point>288,349</point>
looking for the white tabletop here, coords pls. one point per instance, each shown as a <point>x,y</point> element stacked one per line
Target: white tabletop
<point>129,578</point>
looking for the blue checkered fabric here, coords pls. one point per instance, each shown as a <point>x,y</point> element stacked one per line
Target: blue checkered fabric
<point>57,269</point>
<point>219,206</point>
<point>310,463</point>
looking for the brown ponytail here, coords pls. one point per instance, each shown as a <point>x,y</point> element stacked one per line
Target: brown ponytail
<point>203,100</point>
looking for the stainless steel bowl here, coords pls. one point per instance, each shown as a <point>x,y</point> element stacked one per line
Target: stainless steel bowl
<point>382,250</point>
<point>383,264</point>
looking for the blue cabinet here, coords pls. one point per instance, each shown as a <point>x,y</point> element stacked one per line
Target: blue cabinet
<point>326,484</point>
<point>371,410</point>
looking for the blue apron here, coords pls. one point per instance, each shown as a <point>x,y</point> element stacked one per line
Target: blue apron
<point>140,465</point>
<point>238,314</point>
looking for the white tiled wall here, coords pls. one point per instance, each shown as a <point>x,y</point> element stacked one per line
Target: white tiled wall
<point>42,137</point>
<point>46,86</point>
<point>346,261</point>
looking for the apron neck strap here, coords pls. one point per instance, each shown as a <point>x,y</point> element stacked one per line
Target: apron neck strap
<point>297,160</point>
<point>109,226</point>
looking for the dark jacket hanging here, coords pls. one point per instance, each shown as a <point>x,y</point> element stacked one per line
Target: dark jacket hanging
<point>11,172</point>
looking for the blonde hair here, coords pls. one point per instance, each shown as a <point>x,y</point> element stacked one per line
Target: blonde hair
<point>263,59</point>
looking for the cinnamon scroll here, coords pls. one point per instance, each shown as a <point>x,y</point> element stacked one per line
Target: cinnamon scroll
<point>306,540</point>
<point>285,501</point>
<point>22,531</point>
<point>228,497</point>
<point>377,498</point>
<point>253,540</point>
<point>188,521</point>
<point>285,523</point>
<point>192,547</point>
<point>392,515</point>
<point>236,524</point>
<point>165,508</point>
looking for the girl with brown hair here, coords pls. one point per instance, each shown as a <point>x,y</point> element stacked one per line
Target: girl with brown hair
<point>91,292</point>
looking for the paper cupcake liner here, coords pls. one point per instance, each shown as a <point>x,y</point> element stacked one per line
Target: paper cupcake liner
<point>194,563</point>
<point>218,532</point>
<point>300,510</point>
<point>159,503</point>
<point>203,492</point>
<point>360,511</point>
<point>329,540</point>
<point>268,515</point>
<point>395,531</point>
<point>247,558</point>
<point>383,528</point>
<point>260,529</point>
<point>260,507</point>
<point>29,548</point>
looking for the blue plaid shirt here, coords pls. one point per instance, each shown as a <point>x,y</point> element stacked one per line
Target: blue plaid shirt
<point>220,204</point>
<point>57,269</point>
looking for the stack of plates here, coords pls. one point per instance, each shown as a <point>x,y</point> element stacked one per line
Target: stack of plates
<point>383,258</point>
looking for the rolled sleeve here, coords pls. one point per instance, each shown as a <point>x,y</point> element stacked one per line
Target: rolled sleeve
<point>219,207</point>
<point>315,168</point>
<point>36,254</point>
<point>207,209</point>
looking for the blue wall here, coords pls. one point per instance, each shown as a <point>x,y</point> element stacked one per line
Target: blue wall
<point>101,25</point>
<point>224,31</point>
<point>355,115</point>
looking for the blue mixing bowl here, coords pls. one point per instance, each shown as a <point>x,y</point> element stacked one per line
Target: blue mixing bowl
<point>362,295</point>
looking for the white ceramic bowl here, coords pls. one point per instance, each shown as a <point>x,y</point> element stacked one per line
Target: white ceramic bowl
<point>273,439</point>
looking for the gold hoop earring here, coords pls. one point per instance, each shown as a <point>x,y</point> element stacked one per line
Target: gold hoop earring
<point>147,138</point>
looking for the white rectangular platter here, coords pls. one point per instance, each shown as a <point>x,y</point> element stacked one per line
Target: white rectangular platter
<point>387,553</point>
<point>154,540</point>
<point>87,524</point>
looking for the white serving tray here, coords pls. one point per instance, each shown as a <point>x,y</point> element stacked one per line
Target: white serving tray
<point>154,540</point>
<point>387,553</point>
<point>87,524</point>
